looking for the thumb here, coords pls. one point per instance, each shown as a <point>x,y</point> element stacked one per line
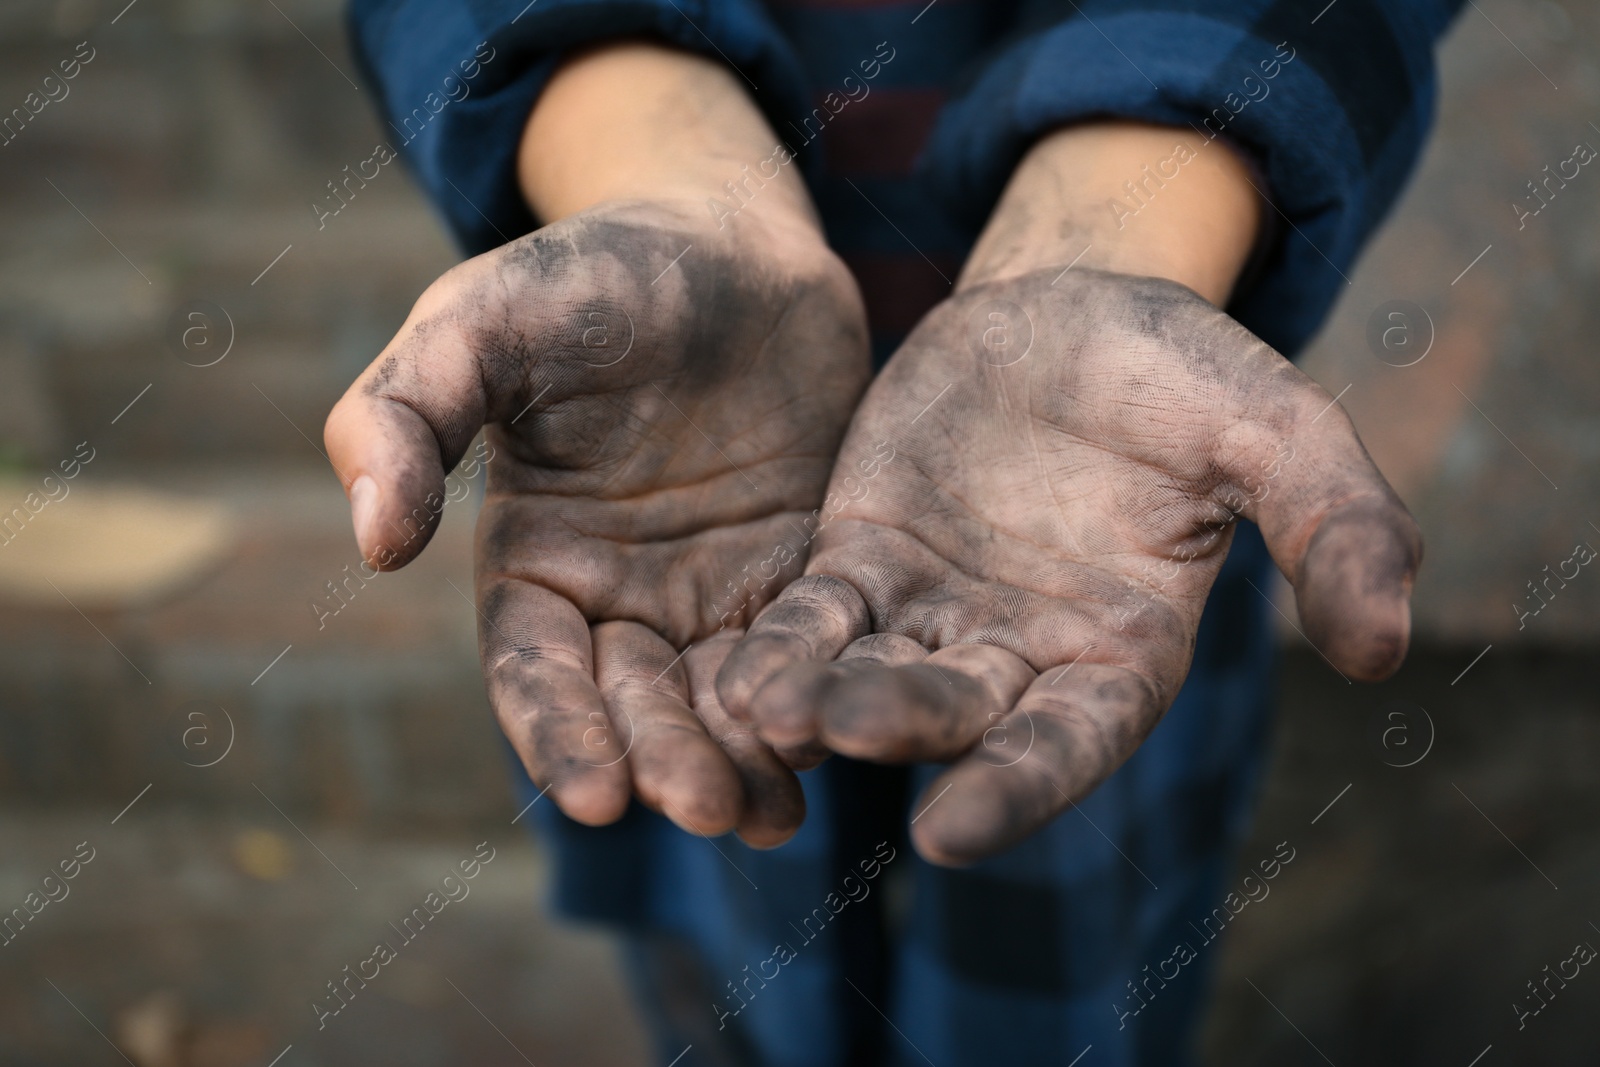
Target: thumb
<point>1340,535</point>
<point>405,422</point>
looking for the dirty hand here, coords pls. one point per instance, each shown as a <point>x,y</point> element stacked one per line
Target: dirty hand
<point>1017,592</point>
<point>662,397</point>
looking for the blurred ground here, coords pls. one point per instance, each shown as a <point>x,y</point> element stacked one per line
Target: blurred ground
<point>201,939</point>
<point>1421,901</point>
<point>182,167</point>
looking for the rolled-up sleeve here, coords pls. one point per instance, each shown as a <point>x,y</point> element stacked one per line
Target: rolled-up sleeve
<point>457,79</point>
<point>1333,106</point>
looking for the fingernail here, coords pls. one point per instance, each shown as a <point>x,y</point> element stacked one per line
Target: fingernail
<point>363,508</point>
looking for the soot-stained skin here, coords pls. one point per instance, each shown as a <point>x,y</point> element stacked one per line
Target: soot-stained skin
<point>1044,542</point>
<point>663,401</point>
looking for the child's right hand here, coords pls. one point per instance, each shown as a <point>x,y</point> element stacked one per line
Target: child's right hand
<point>664,399</point>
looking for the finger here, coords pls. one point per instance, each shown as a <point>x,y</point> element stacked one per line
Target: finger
<point>1068,732</point>
<point>538,665</point>
<point>787,710</point>
<point>885,650</point>
<point>775,805</point>
<point>929,711</point>
<point>914,708</point>
<point>405,422</point>
<point>676,767</point>
<point>1339,534</point>
<point>1353,587</point>
<point>814,618</point>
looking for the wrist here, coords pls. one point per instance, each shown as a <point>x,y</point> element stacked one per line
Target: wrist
<point>1127,197</point>
<point>636,120</point>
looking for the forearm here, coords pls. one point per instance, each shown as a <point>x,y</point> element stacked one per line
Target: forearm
<point>1128,197</point>
<point>636,120</point>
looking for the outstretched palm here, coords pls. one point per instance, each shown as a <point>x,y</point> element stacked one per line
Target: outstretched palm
<point>664,400</point>
<point>1068,458</point>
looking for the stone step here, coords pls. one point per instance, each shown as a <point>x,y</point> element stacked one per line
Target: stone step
<point>376,708</point>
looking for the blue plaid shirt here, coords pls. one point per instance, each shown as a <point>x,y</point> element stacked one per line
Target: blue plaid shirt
<point>920,111</point>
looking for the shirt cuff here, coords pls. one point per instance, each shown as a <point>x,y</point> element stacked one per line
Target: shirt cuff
<point>458,80</point>
<point>1333,119</point>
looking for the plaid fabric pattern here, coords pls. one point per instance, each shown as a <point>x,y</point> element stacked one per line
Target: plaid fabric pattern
<point>786,958</point>
<point>796,956</point>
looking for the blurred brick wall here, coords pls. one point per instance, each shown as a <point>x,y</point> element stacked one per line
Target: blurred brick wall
<point>1510,486</point>
<point>197,140</point>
